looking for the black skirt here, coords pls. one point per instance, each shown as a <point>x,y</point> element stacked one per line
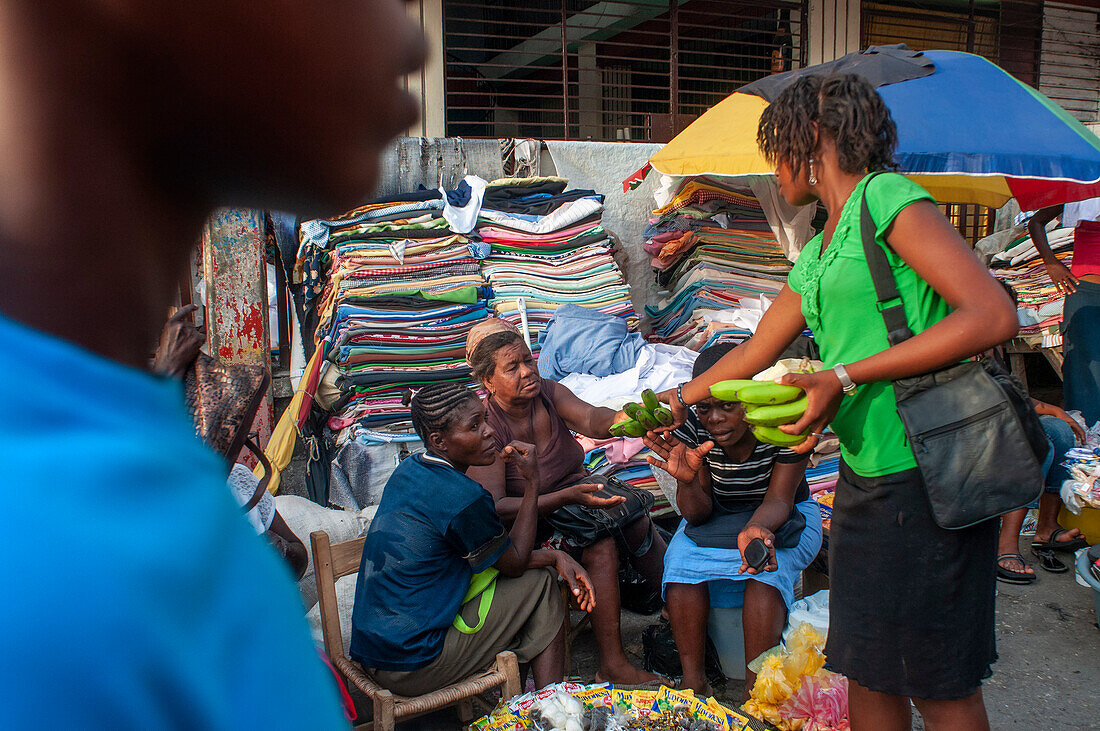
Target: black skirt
<point>911,605</point>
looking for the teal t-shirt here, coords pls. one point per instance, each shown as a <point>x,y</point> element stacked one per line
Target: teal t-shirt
<point>136,595</point>
<point>840,306</point>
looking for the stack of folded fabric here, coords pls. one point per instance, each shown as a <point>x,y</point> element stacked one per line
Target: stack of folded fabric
<point>1040,302</point>
<point>547,249</point>
<point>712,247</point>
<point>397,290</point>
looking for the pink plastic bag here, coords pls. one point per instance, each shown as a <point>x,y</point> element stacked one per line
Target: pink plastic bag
<point>822,700</point>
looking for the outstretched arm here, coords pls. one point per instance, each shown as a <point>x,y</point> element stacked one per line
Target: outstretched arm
<point>982,316</point>
<point>1059,273</point>
<point>580,416</point>
<point>781,324</point>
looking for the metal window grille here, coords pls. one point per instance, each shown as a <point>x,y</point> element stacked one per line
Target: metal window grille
<point>636,69</point>
<point>1008,33</point>
<point>1069,71</point>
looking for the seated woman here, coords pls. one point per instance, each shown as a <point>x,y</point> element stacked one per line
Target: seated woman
<point>435,528</point>
<point>730,490</point>
<point>522,405</point>
<point>1064,434</point>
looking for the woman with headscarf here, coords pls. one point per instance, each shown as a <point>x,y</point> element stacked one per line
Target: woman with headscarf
<point>522,405</point>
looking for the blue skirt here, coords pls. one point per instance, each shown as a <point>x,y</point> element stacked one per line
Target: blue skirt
<point>688,563</point>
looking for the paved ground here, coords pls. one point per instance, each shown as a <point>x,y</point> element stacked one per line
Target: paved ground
<point>1048,676</point>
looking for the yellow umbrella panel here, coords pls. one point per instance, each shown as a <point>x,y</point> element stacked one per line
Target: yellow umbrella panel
<point>722,143</point>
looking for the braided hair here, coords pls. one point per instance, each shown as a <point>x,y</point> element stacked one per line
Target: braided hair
<point>433,407</point>
<point>846,108</point>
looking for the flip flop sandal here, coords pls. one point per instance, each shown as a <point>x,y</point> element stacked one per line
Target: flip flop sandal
<point>1009,576</point>
<point>1053,544</point>
<point>1049,562</point>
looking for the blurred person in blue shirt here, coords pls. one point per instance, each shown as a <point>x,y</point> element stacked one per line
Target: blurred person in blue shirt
<point>138,596</point>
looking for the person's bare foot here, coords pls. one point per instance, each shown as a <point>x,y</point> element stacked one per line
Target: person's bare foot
<point>627,674</point>
<point>699,686</point>
<point>1065,536</point>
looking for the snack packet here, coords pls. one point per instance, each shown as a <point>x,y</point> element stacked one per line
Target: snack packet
<point>594,695</point>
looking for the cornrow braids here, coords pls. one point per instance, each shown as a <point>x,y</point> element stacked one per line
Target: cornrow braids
<point>846,108</point>
<point>433,407</point>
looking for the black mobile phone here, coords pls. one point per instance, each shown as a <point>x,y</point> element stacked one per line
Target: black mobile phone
<point>756,554</point>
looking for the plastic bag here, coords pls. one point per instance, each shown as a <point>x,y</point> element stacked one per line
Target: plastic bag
<point>814,610</point>
<point>821,703</point>
<point>804,653</point>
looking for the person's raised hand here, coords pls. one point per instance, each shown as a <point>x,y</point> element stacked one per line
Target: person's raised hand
<point>1063,279</point>
<point>577,579</point>
<point>180,342</point>
<point>745,537</point>
<point>823,396</point>
<point>585,494</point>
<point>524,456</point>
<point>678,460</point>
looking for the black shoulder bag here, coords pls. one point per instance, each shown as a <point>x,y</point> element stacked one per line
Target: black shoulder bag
<point>584,525</point>
<point>973,430</point>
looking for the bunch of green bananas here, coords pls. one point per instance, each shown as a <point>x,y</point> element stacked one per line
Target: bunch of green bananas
<point>645,416</point>
<point>768,405</point>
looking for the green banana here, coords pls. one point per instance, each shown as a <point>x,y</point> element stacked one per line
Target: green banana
<point>663,415</point>
<point>766,392</point>
<point>632,428</point>
<point>776,414</point>
<point>772,435</point>
<point>631,409</point>
<point>646,419</point>
<point>727,390</point>
<point>616,429</point>
<point>650,400</point>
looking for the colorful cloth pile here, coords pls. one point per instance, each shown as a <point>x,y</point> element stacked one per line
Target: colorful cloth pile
<point>1040,302</point>
<point>398,282</point>
<point>712,247</point>
<point>548,248</point>
<point>397,290</point>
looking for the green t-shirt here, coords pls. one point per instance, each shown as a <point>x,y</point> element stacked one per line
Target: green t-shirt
<point>840,306</point>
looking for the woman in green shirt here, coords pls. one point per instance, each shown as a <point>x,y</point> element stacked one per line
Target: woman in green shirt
<point>911,604</point>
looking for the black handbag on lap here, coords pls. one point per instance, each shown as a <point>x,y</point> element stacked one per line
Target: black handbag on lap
<point>722,529</point>
<point>584,525</point>
<point>974,433</point>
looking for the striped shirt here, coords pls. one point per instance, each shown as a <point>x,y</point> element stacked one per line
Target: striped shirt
<point>737,486</point>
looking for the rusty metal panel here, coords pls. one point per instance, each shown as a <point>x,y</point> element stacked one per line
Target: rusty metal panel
<point>236,296</point>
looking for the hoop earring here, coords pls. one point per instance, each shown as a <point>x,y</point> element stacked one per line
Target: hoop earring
<point>813,177</point>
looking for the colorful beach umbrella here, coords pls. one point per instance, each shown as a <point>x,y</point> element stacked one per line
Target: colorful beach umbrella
<point>968,131</point>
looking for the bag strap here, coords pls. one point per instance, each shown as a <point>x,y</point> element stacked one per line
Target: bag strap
<point>890,305</point>
<point>261,486</point>
<point>485,584</point>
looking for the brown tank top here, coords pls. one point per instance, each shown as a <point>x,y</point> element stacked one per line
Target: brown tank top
<point>560,458</point>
